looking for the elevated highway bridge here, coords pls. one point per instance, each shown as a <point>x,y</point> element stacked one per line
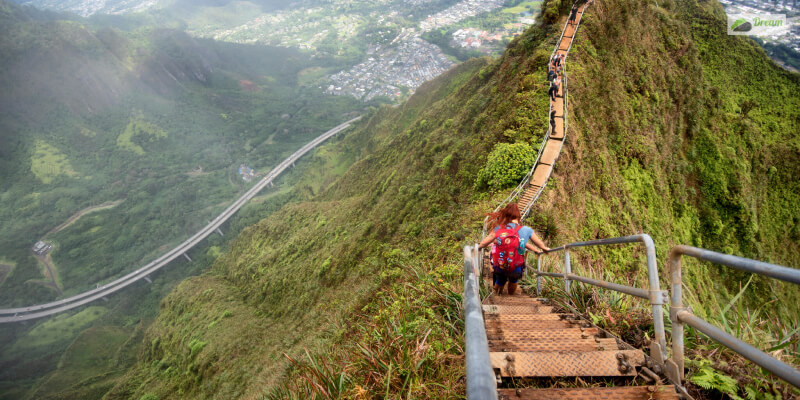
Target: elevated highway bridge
<point>42,310</point>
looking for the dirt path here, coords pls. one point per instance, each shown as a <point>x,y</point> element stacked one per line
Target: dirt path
<point>79,214</point>
<point>49,274</point>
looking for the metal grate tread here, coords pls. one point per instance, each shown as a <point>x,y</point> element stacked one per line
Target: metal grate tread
<point>562,363</point>
<point>516,309</point>
<point>529,345</point>
<point>662,392</point>
<point>509,326</point>
<point>572,333</point>
<point>512,300</point>
<point>527,317</point>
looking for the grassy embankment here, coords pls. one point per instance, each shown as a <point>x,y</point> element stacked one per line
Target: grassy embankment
<point>360,286</point>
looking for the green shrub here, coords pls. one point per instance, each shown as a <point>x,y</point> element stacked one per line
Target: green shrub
<point>506,165</point>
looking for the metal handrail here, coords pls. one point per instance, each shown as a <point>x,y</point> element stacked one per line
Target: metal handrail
<point>680,315</point>
<point>480,376</point>
<point>654,294</point>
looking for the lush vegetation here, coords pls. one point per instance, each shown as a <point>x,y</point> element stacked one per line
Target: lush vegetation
<point>506,165</point>
<point>353,289</point>
<point>378,239</point>
<point>152,121</point>
<point>166,141</point>
<point>690,135</point>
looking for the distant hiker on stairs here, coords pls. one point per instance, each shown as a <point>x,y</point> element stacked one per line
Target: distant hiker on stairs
<point>509,241</point>
<point>573,14</point>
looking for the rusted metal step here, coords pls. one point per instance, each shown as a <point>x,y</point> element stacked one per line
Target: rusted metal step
<point>530,308</point>
<point>518,296</point>
<point>558,132</point>
<point>661,392</point>
<point>540,334</point>
<point>513,299</point>
<point>550,153</point>
<point>532,345</point>
<point>541,174</point>
<point>515,302</point>
<point>561,363</point>
<point>558,107</point>
<point>528,317</point>
<point>526,325</point>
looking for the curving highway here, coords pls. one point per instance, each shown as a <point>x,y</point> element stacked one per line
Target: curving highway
<point>43,310</point>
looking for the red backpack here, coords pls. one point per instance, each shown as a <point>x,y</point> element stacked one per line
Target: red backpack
<point>505,254</point>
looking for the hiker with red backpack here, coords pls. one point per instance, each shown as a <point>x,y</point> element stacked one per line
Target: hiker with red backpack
<point>510,239</point>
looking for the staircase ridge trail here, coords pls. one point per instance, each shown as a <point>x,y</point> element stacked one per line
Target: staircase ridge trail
<point>530,338</point>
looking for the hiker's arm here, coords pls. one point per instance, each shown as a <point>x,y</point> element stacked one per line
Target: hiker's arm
<point>530,247</point>
<point>487,240</point>
<point>538,242</point>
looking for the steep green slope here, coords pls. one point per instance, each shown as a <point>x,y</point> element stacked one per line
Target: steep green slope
<point>366,274</point>
<point>93,117</point>
<point>690,135</point>
<point>153,120</point>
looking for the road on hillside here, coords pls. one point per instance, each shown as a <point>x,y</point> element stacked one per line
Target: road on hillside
<point>43,310</point>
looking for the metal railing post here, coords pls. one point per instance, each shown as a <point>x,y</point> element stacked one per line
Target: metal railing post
<point>657,297</point>
<point>538,277</point>
<point>567,270</point>
<point>676,372</point>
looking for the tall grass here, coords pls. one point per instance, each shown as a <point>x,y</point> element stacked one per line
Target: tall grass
<point>405,344</point>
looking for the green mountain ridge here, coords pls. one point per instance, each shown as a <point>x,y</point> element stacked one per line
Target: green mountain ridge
<point>93,115</point>
<point>660,141</point>
<point>353,291</point>
<point>151,121</point>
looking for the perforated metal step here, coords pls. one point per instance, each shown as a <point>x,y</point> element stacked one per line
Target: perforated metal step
<point>564,363</point>
<point>526,325</point>
<point>536,345</point>
<point>519,308</point>
<point>527,316</point>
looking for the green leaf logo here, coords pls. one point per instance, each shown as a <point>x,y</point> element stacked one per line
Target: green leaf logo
<point>741,25</point>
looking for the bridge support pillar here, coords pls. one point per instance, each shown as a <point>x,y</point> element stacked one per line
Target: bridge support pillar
<point>220,232</point>
<point>271,184</point>
<point>147,278</point>
<point>105,298</point>
<point>187,257</point>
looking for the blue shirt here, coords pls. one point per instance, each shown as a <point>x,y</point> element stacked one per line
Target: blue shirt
<point>525,234</point>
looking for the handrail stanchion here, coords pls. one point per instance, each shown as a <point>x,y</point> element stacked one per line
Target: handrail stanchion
<point>657,298</point>
<point>538,277</point>
<point>480,376</point>
<point>675,372</point>
<point>567,270</point>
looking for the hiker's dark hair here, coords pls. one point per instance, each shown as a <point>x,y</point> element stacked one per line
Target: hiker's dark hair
<point>504,216</point>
